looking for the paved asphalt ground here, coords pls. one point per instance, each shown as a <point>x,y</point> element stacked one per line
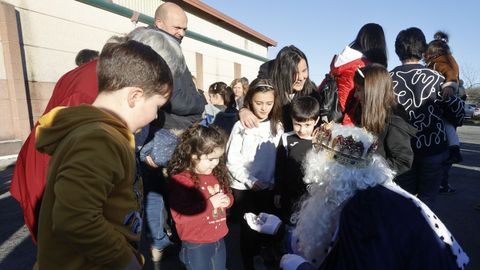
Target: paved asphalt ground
<point>459,211</point>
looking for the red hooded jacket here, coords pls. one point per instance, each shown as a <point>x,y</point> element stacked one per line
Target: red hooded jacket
<point>343,67</point>
<point>76,87</point>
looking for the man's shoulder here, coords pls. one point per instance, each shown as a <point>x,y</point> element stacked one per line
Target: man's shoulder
<point>412,70</point>
<point>377,197</point>
<point>415,76</point>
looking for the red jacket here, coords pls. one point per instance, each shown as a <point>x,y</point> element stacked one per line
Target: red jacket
<point>343,67</point>
<point>28,182</point>
<point>195,218</point>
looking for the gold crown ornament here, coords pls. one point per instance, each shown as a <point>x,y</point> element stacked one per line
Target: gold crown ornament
<point>350,146</point>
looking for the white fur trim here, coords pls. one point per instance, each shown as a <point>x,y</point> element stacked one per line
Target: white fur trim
<point>346,56</point>
<point>452,84</point>
<point>291,261</point>
<point>331,184</point>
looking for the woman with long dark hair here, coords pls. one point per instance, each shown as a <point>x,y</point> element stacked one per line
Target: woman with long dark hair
<point>368,47</point>
<point>289,73</point>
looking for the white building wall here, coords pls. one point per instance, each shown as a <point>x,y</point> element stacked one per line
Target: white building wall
<point>53,31</point>
<point>216,32</point>
<point>218,64</point>
<point>3,74</point>
<point>145,7</point>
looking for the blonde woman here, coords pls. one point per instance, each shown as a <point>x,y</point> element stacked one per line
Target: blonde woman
<point>240,88</point>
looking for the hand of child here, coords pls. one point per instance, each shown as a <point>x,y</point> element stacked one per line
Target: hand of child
<point>225,202</point>
<point>447,92</point>
<point>150,162</point>
<point>133,264</point>
<point>315,132</point>
<point>219,200</point>
<point>258,185</point>
<point>276,201</point>
<point>247,118</point>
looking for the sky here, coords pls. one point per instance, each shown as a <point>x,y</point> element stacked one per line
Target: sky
<point>322,29</point>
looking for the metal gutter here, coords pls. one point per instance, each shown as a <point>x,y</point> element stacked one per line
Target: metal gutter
<point>128,13</point>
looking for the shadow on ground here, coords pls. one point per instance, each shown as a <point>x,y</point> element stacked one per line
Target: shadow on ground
<point>460,211</point>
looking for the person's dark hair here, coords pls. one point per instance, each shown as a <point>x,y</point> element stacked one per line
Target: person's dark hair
<point>265,70</point>
<point>244,80</point>
<point>374,84</point>
<point>440,35</point>
<point>263,86</point>
<point>304,109</point>
<point>85,56</point>
<point>223,90</point>
<point>200,140</point>
<point>410,44</point>
<point>437,47</point>
<point>125,64</point>
<point>284,71</point>
<point>370,41</point>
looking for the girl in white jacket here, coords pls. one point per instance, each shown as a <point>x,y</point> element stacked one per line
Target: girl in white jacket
<point>251,155</point>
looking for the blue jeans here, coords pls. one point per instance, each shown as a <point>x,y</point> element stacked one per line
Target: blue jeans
<point>154,210</point>
<point>154,190</point>
<point>208,256</point>
<point>425,176</point>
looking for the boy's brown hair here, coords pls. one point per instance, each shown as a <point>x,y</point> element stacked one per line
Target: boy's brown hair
<point>133,64</point>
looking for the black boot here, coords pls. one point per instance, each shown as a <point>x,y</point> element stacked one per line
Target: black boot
<point>455,156</point>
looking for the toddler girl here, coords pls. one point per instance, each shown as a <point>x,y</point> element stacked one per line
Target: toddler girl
<point>439,58</point>
<point>199,195</point>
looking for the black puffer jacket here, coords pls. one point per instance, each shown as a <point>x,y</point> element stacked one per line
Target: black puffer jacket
<point>394,143</point>
<point>186,104</point>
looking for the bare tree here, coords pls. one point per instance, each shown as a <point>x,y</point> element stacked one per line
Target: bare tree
<point>469,75</point>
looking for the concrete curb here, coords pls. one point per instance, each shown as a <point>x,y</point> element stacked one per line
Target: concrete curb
<point>6,161</point>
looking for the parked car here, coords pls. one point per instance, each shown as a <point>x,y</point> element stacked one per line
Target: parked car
<point>476,112</point>
<point>470,110</point>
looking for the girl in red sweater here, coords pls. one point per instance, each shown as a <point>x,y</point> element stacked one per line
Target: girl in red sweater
<point>199,195</point>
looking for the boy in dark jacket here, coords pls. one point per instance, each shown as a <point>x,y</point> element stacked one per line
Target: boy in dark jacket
<point>294,145</point>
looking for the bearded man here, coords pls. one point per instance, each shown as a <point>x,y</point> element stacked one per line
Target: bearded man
<point>356,217</point>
